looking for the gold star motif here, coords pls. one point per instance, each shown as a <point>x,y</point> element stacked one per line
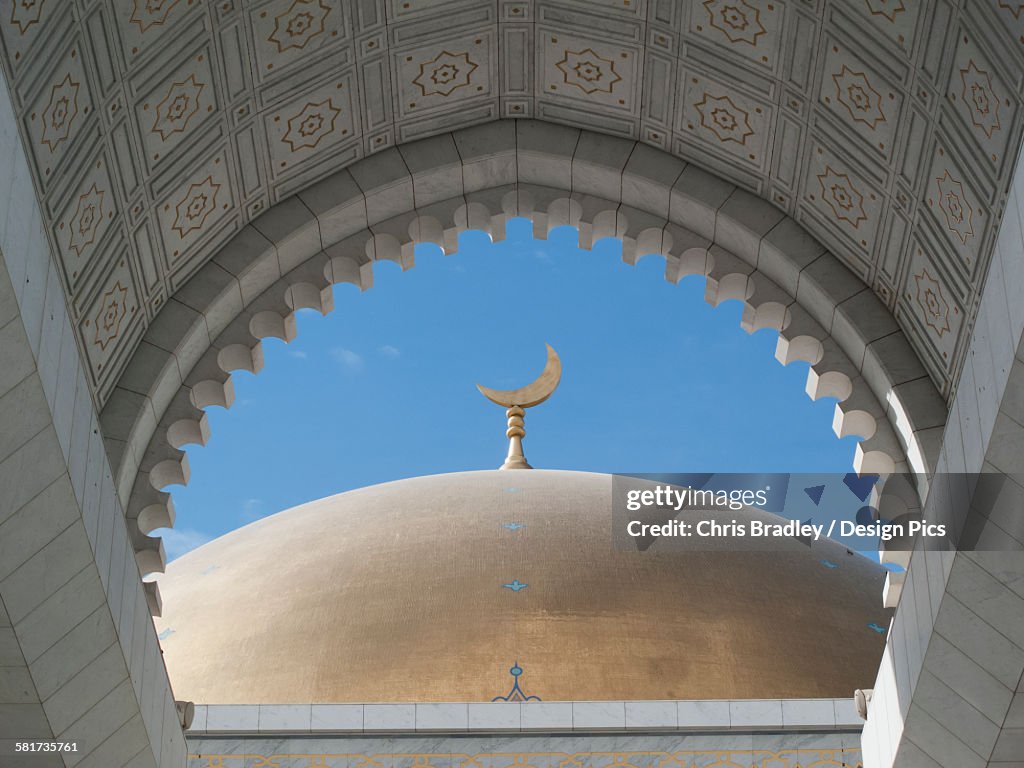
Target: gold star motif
<point>444,73</point>
<point>25,13</point>
<point>953,203</point>
<point>739,21</point>
<point>150,13</point>
<point>60,113</point>
<point>724,119</point>
<point>178,107</point>
<point>588,71</point>
<point>196,206</point>
<point>86,220</point>
<point>112,311</point>
<point>311,125</point>
<point>888,9</point>
<point>303,21</point>
<point>862,102</point>
<point>933,304</point>
<point>842,196</point>
<point>980,98</point>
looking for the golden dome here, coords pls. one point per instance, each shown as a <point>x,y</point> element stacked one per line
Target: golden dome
<point>410,591</point>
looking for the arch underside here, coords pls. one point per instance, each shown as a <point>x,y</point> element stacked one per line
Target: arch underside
<point>156,131</point>
<point>477,178</point>
<point>158,134</point>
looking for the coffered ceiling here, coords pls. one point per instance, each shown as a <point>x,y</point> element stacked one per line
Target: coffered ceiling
<point>158,128</point>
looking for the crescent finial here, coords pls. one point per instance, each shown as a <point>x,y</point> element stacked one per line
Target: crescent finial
<point>515,400</point>
<point>532,394</point>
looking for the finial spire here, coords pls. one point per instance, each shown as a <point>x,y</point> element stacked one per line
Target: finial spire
<point>516,400</point>
<point>515,433</point>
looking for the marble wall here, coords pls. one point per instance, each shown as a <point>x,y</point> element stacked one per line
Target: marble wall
<point>950,689</point>
<point>79,658</point>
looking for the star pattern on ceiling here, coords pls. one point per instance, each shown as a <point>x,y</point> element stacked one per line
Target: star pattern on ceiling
<point>178,107</point>
<point>198,203</point>
<point>302,22</point>
<point>890,9</point>
<point>311,125</point>
<point>588,71</point>
<point>842,196</point>
<point>739,21</point>
<point>86,220</point>
<point>112,312</point>
<point>149,13</point>
<point>445,73</point>
<point>980,98</point>
<point>727,121</point>
<point>25,13</point>
<point>855,93</point>
<point>933,304</point>
<point>61,112</point>
<point>953,204</point>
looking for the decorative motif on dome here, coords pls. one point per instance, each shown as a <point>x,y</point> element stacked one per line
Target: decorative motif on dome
<point>303,21</point>
<point>739,21</point>
<point>980,98</point>
<point>887,8</point>
<point>515,585</point>
<point>199,202</point>
<point>513,526</point>
<point>151,13</point>
<point>306,129</point>
<point>444,73</point>
<point>516,694</point>
<point>60,112</point>
<point>178,107</point>
<point>86,220</point>
<point>842,197</point>
<point>112,311</point>
<point>862,101</point>
<point>954,205</point>
<point>932,302</point>
<point>723,118</point>
<point>25,13</point>
<point>588,71</point>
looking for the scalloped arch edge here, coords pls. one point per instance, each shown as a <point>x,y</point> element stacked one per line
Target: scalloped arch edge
<point>334,231</point>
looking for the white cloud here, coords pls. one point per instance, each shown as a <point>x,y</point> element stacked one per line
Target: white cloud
<point>297,353</point>
<point>178,541</point>
<point>351,360</point>
<point>389,351</point>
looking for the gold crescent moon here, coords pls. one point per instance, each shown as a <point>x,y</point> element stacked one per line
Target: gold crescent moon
<point>532,394</point>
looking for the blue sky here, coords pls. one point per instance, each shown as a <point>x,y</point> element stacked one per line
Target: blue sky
<point>654,380</point>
